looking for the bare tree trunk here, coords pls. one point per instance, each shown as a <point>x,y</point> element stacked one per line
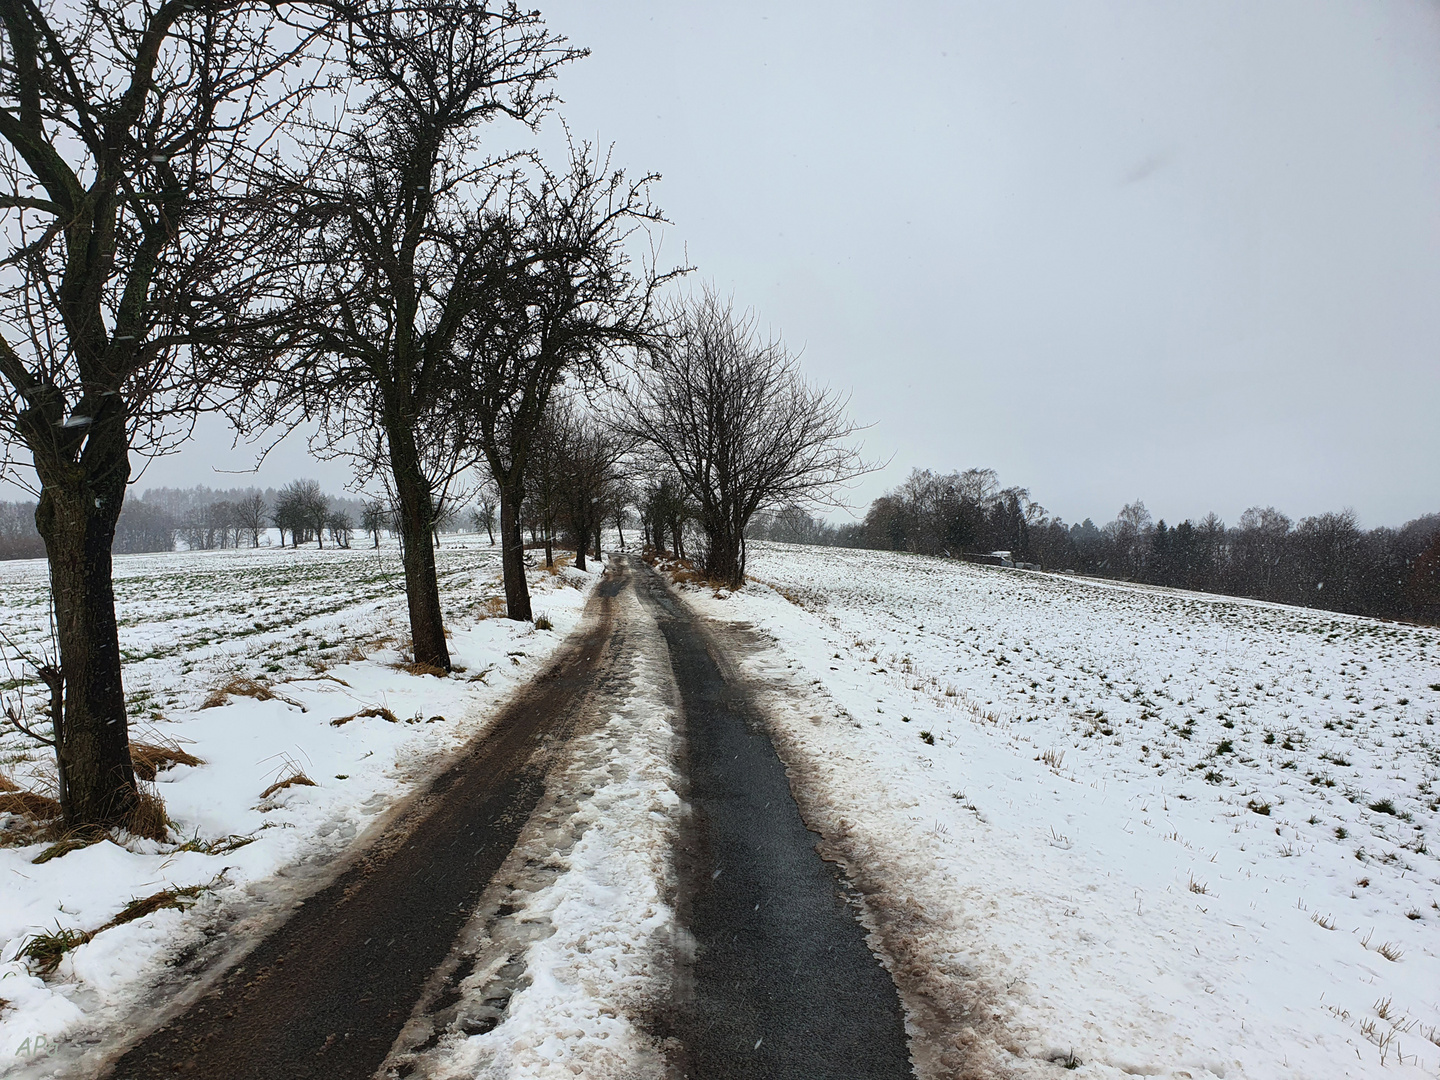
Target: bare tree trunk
<point>512,557</point>
<point>79,506</point>
<point>580,553</point>
<point>723,561</point>
<point>427,624</point>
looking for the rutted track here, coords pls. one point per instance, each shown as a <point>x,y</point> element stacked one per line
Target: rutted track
<point>326,994</point>
<point>780,983</point>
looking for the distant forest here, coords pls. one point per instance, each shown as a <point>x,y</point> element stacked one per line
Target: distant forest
<point>200,517</point>
<point>1326,561</point>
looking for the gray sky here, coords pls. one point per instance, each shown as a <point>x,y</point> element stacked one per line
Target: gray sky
<point>1187,252</point>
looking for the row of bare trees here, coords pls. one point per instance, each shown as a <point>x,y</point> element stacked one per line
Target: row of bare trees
<point>310,211</point>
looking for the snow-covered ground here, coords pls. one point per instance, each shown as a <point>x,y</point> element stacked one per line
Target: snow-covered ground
<point>1130,830</point>
<point>574,939</point>
<point>324,631</point>
<point>1146,831</point>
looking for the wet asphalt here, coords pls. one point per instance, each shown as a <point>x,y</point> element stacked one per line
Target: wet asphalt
<point>780,984</point>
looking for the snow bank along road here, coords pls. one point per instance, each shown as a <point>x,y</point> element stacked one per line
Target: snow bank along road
<point>282,673</point>
<point>1136,831</point>
<point>328,992</point>
<point>519,916</point>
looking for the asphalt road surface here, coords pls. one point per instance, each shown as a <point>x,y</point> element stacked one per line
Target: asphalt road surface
<point>781,983</point>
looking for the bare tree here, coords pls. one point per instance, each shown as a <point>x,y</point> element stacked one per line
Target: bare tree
<point>341,526</point>
<point>664,509</point>
<point>300,509</point>
<point>590,476</point>
<point>400,246</point>
<point>314,509</point>
<point>483,515</point>
<point>742,429</point>
<point>251,515</point>
<point>129,135</point>
<point>624,498</point>
<point>570,303</point>
<point>376,517</point>
<point>1129,533</point>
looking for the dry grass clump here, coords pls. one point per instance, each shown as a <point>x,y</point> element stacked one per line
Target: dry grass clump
<point>68,841</point>
<point>42,814</point>
<point>1390,951</point>
<point>179,899</point>
<point>149,759</point>
<point>45,950</point>
<point>293,776</point>
<point>148,819</point>
<point>37,815</point>
<point>562,560</point>
<point>374,710</point>
<point>29,804</point>
<point>685,572</point>
<point>417,668</point>
<point>239,687</point>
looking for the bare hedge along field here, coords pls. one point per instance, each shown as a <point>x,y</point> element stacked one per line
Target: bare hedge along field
<point>1158,832</point>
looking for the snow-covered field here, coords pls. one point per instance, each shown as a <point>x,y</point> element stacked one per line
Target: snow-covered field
<point>321,630</point>
<point>1145,831</point>
<point>1128,830</point>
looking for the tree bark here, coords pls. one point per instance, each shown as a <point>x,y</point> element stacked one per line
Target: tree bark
<point>79,506</point>
<point>724,557</point>
<point>512,557</point>
<point>580,553</point>
<point>412,491</point>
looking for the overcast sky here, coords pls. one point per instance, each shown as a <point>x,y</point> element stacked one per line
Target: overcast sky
<point>1185,252</point>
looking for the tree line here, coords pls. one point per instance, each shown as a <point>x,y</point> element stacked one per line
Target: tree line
<point>1323,561</point>
<point>325,212</point>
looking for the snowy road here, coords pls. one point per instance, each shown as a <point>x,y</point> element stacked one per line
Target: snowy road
<point>329,991</point>
<point>780,981</point>
<point>614,881</point>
